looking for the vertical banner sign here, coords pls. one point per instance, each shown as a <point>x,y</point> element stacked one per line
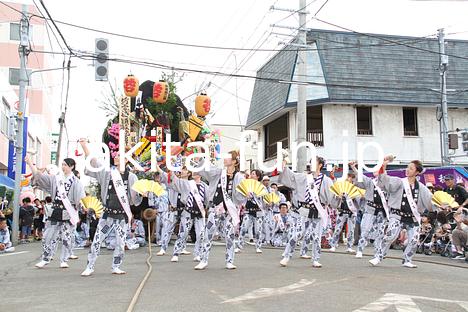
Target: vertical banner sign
<point>159,140</point>
<point>124,117</point>
<point>12,152</point>
<point>212,150</point>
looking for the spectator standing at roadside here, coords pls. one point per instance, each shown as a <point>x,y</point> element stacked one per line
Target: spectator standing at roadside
<point>458,192</point>
<point>26,216</point>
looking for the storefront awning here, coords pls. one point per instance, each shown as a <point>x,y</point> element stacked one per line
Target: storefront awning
<point>7,182</point>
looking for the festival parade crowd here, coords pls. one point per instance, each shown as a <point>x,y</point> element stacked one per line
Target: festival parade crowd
<point>208,206</point>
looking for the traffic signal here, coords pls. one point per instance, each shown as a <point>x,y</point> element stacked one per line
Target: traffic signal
<point>101,63</point>
<point>453,141</point>
<point>465,141</point>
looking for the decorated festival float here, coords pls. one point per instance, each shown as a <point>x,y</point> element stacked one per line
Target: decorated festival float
<point>151,111</point>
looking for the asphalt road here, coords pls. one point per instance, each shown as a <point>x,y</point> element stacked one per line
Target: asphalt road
<point>259,284</point>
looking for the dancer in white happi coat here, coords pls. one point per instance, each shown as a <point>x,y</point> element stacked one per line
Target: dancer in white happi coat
<point>347,213</point>
<point>376,212</point>
<point>116,195</point>
<point>311,194</point>
<point>253,217</point>
<point>407,199</point>
<point>67,192</point>
<point>224,203</point>
<point>270,211</point>
<point>199,215</point>
<point>192,196</point>
<point>167,208</point>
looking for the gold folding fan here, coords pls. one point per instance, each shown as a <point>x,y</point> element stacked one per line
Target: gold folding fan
<point>344,187</point>
<point>271,198</point>
<point>251,186</point>
<point>147,186</point>
<point>441,198</point>
<point>91,202</point>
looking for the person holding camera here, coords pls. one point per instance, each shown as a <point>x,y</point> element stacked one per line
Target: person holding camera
<point>460,233</point>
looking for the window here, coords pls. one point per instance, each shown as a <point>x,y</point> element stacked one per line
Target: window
<point>4,116</point>
<point>364,120</point>
<point>15,76</point>
<point>410,121</point>
<point>316,90</point>
<point>31,144</point>
<point>276,131</point>
<point>315,125</point>
<point>14,31</point>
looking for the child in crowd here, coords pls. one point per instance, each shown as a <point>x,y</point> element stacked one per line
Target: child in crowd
<point>5,243</point>
<point>441,239</point>
<point>425,236</point>
<point>135,235</point>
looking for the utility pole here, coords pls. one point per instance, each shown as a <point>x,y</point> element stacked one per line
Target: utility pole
<point>445,159</point>
<point>23,81</point>
<point>301,115</point>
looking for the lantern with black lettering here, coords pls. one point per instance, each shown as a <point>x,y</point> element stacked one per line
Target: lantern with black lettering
<point>131,86</point>
<point>202,105</point>
<point>160,92</point>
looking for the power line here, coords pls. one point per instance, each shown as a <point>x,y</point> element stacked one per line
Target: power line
<point>320,9</point>
<point>91,56</point>
<point>233,48</point>
<point>55,25</point>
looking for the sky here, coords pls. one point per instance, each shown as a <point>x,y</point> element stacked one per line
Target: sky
<point>241,23</point>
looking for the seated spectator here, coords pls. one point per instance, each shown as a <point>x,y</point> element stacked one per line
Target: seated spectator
<point>5,243</point>
<point>441,240</point>
<point>460,234</point>
<point>135,235</point>
<point>401,241</point>
<point>425,236</point>
<point>26,216</point>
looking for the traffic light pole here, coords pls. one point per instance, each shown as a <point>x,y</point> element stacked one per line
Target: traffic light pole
<point>23,81</point>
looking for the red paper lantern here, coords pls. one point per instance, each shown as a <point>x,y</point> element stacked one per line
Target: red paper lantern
<point>202,105</point>
<point>131,86</point>
<point>160,92</point>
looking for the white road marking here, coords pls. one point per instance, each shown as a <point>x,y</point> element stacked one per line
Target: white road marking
<point>403,303</point>
<point>270,292</point>
<point>13,253</point>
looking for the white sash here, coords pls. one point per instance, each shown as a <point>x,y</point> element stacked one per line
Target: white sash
<point>316,200</point>
<point>280,224</point>
<point>197,197</point>
<point>350,204</point>
<point>412,203</point>
<point>382,198</point>
<point>121,192</point>
<point>227,200</point>
<point>62,195</point>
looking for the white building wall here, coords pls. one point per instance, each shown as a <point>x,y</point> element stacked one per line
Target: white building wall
<point>387,123</point>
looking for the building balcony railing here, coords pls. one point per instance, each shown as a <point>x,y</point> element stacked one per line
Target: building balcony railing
<point>315,137</point>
